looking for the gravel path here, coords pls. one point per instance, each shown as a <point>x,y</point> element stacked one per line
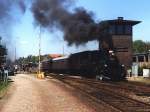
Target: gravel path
<point>28,94</point>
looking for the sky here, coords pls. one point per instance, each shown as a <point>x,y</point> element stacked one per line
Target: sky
<point>25,35</point>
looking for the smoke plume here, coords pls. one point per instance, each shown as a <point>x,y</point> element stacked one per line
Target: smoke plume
<point>22,5</point>
<point>7,20</point>
<point>7,16</point>
<point>7,5</point>
<point>78,25</point>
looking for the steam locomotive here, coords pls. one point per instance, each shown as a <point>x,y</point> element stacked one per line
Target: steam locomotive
<point>91,64</point>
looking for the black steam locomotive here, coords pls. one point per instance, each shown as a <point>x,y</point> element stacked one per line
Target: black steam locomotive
<point>91,64</point>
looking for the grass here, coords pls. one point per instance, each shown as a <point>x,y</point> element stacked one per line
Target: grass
<point>3,88</point>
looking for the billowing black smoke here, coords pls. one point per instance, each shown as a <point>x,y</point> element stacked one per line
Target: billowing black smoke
<point>78,25</point>
<point>7,5</point>
<point>22,5</point>
<point>7,20</point>
<point>7,16</point>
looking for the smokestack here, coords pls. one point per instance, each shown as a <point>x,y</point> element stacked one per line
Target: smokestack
<point>120,18</point>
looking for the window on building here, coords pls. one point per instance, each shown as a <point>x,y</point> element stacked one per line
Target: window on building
<point>112,29</point>
<point>120,29</point>
<point>141,58</point>
<point>128,29</point>
<point>134,59</point>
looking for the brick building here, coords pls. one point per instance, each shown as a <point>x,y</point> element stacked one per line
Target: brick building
<point>142,59</point>
<point>119,39</point>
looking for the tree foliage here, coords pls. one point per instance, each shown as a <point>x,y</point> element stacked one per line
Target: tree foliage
<point>140,46</point>
<point>30,58</point>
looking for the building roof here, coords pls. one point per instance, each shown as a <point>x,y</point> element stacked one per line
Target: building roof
<point>120,20</point>
<point>55,55</point>
<point>140,54</point>
<point>61,58</point>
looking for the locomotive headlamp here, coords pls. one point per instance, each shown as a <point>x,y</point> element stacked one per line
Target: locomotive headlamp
<point>105,65</point>
<point>122,65</point>
<point>111,51</point>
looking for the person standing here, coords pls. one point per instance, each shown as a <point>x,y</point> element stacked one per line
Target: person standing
<point>6,74</point>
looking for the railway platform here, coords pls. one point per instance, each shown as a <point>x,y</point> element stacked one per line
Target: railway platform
<point>29,94</point>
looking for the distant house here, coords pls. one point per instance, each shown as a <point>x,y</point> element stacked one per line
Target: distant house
<point>141,58</point>
<point>55,55</point>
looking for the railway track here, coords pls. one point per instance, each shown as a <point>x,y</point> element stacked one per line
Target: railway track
<point>136,91</point>
<point>115,101</point>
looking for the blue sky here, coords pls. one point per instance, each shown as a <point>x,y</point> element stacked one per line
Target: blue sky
<point>25,34</point>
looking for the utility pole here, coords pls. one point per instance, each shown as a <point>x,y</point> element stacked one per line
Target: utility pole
<point>40,51</point>
<point>0,40</point>
<point>63,48</point>
<point>15,54</point>
<point>40,75</point>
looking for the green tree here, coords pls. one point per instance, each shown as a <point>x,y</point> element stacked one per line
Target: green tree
<point>30,58</point>
<point>139,46</point>
<point>147,46</point>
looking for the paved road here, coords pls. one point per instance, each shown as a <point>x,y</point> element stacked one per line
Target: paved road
<point>28,94</point>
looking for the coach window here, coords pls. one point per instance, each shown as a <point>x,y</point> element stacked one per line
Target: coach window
<point>128,29</point>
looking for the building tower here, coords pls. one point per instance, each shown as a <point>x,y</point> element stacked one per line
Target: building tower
<point>119,39</point>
